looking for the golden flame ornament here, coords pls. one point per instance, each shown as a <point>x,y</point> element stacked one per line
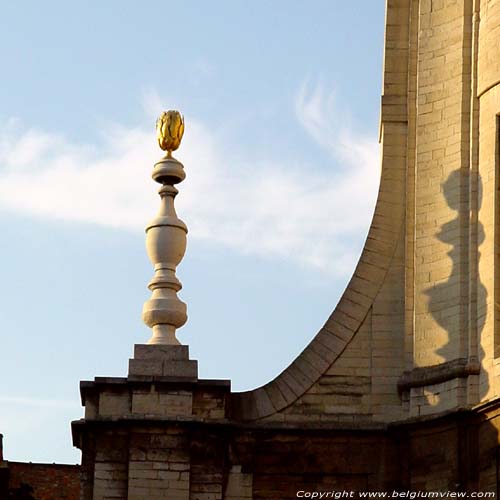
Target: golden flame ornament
<point>169,131</point>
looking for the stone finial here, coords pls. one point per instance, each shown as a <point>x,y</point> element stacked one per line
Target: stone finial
<point>166,234</point>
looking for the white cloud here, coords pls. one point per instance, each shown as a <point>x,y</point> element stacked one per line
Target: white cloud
<point>329,124</point>
<point>297,212</point>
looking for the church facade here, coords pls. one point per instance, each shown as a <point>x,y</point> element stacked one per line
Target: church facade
<point>400,389</point>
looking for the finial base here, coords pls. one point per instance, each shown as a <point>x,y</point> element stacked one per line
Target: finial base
<point>163,361</point>
<point>163,335</point>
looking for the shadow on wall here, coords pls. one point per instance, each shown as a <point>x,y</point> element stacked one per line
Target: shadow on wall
<point>445,298</point>
<point>24,492</point>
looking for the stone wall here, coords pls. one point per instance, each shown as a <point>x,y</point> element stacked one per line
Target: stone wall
<point>21,480</point>
<point>197,459</point>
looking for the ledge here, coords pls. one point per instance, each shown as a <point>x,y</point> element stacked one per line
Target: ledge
<point>120,383</point>
<point>430,375</point>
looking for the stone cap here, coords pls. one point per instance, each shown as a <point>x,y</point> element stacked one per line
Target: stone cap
<point>161,352</point>
<point>163,360</point>
<point>93,387</point>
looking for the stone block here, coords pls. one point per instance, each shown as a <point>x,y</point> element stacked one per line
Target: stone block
<point>262,402</point>
<point>180,368</point>
<point>276,396</point>
<point>167,367</point>
<point>91,407</point>
<point>176,404</point>
<point>161,352</point>
<point>145,367</point>
<point>114,404</point>
<point>145,403</point>
<point>288,393</point>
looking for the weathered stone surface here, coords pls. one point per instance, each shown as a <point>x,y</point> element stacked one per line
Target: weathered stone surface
<point>145,367</point>
<point>162,360</point>
<point>161,352</point>
<point>175,368</point>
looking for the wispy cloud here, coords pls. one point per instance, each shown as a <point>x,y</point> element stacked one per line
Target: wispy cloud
<point>297,212</point>
<point>329,124</point>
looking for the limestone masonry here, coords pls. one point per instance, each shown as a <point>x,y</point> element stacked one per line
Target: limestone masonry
<point>400,389</point>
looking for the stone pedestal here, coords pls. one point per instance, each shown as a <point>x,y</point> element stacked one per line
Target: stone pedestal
<point>162,360</point>
<point>137,434</point>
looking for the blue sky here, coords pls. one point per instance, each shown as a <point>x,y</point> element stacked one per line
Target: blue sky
<point>281,101</point>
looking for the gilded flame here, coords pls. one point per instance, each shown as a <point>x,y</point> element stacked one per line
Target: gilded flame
<point>169,130</point>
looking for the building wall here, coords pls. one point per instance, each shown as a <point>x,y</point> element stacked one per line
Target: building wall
<point>418,319</point>
<point>48,481</point>
<point>488,90</point>
<point>41,481</point>
<point>195,459</point>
